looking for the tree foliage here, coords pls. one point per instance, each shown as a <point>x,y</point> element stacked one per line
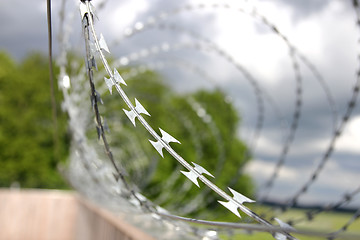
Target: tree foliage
<point>26,139</point>
<point>203,121</point>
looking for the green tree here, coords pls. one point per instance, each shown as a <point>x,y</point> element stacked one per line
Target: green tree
<point>203,121</point>
<point>26,140</point>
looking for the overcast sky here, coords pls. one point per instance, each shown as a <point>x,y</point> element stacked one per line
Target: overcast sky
<point>324,31</point>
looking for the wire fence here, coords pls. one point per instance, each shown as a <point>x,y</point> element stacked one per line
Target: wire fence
<point>106,173</point>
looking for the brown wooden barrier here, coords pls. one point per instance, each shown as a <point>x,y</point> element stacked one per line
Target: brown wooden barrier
<point>52,215</point>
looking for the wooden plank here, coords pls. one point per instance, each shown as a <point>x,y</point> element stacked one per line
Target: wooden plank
<point>37,214</point>
<point>59,215</point>
<point>107,226</point>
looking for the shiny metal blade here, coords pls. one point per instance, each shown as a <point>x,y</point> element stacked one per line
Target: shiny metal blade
<point>140,109</point>
<point>158,146</point>
<point>239,197</point>
<point>118,77</point>
<point>231,206</point>
<point>103,44</point>
<point>131,115</point>
<point>109,84</point>
<point>192,176</point>
<point>201,170</point>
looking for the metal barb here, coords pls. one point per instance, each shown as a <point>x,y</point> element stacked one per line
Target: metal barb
<point>166,138</point>
<point>239,197</point>
<point>109,84</point>
<point>201,170</point>
<point>103,44</point>
<point>192,176</point>
<point>118,78</point>
<point>232,206</point>
<point>233,203</point>
<point>139,109</point>
<point>158,146</point>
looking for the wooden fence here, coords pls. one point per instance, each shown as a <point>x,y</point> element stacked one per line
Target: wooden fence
<point>52,215</point>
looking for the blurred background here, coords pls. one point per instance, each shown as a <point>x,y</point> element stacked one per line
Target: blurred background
<point>257,97</point>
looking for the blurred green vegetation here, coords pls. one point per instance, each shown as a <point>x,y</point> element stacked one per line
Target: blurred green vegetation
<point>26,128</point>
<point>325,222</point>
<point>208,136</point>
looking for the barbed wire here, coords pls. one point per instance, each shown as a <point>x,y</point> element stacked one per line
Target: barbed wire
<point>96,175</point>
<point>325,158</point>
<point>194,175</point>
<point>346,225</point>
<point>252,11</point>
<point>95,99</point>
<point>261,228</point>
<point>196,171</point>
<point>206,45</point>
<point>310,215</point>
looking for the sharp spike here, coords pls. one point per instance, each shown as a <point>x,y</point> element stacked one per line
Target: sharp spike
<point>118,78</point>
<point>103,44</point>
<point>131,115</point>
<point>139,108</point>
<point>231,206</point>
<point>167,137</point>
<point>201,170</point>
<point>239,197</point>
<point>109,84</point>
<point>192,176</point>
<point>158,146</point>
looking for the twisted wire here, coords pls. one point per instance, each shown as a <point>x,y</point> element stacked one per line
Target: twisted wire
<point>87,23</point>
<point>95,95</point>
<point>258,92</point>
<point>136,111</point>
<point>330,149</point>
<point>293,51</point>
<point>310,215</point>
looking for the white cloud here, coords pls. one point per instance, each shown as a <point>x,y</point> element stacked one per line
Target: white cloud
<point>262,170</point>
<point>116,17</point>
<point>260,53</point>
<point>348,142</point>
<point>267,146</point>
<point>337,177</point>
<point>350,139</point>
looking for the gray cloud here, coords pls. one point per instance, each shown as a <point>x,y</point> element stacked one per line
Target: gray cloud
<point>315,123</point>
<point>23,27</point>
<point>304,8</point>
